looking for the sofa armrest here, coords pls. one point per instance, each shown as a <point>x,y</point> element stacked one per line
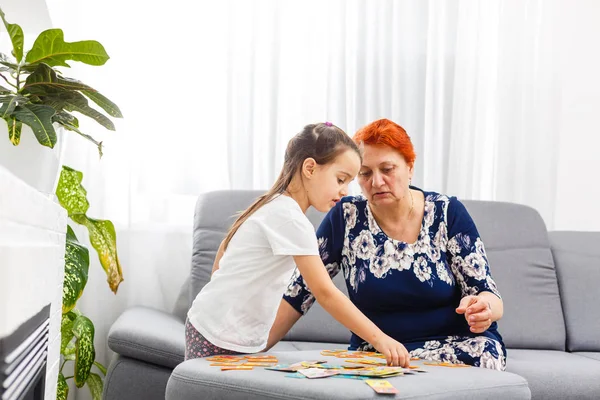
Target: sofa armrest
<point>149,335</point>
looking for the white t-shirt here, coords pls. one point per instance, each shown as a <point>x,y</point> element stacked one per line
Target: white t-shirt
<point>237,308</point>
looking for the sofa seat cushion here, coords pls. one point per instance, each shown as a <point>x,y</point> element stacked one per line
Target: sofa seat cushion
<point>195,379</point>
<point>589,354</point>
<point>148,335</point>
<point>556,374</point>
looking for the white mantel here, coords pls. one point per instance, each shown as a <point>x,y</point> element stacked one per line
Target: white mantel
<point>32,247</point>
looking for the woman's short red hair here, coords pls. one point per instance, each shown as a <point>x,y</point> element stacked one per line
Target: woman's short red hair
<point>389,133</point>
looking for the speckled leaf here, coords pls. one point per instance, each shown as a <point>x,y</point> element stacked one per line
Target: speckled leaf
<point>85,354</point>
<point>77,262</point>
<point>71,195</point>
<point>104,239</point>
<point>66,332</point>
<point>62,388</point>
<point>94,382</point>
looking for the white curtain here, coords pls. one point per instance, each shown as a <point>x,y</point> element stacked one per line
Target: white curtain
<point>212,91</point>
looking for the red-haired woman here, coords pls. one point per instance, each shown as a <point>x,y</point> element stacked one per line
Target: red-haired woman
<point>413,261</point>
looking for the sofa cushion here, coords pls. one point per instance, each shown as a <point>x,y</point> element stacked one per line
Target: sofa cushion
<point>214,215</point>
<point>556,374</point>
<point>592,355</point>
<point>577,259</point>
<point>516,242</point>
<point>149,335</point>
<point>133,379</point>
<point>195,379</point>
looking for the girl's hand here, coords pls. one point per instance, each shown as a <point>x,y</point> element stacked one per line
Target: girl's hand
<point>395,353</point>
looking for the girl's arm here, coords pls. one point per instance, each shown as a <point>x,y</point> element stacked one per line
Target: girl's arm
<point>342,309</point>
<point>286,317</point>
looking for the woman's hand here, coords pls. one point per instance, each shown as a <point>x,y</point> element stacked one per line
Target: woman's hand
<point>395,353</point>
<point>478,313</point>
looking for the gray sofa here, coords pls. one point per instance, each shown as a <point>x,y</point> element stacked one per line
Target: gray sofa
<point>549,282</point>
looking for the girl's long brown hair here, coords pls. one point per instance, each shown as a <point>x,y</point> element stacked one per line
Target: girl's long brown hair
<point>323,142</point>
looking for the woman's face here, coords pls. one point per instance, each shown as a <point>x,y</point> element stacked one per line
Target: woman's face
<point>384,175</point>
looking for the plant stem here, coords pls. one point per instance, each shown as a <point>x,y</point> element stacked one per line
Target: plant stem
<point>18,76</point>
<point>63,364</point>
<point>68,377</point>
<point>3,77</point>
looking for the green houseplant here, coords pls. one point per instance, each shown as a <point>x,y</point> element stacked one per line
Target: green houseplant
<point>34,92</point>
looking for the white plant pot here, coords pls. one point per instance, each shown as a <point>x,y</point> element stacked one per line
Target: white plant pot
<point>38,166</point>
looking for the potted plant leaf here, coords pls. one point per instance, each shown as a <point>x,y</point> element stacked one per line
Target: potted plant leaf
<point>36,95</point>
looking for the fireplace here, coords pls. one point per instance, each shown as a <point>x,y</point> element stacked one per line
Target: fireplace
<point>23,357</point>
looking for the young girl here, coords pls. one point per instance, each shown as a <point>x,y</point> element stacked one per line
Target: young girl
<point>234,312</point>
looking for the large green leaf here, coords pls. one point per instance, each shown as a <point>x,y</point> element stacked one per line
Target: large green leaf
<point>75,101</point>
<point>45,80</point>
<point>85,354</point>
<point>16,37</point>
<point>111,108</point>
<point>62,388</point>
<point>39,119</point>
<point>71,195</point>
<point>77,262</point>
<point>51,48</point>
<point>104,239</point>
<point>94,382</point>
<point>14,130</point>
<point>66,330</point>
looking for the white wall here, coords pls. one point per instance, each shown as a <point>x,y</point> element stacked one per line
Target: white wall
<point>578,182</point>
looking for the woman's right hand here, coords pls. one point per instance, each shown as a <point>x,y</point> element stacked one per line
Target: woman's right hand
<point>395,353</point>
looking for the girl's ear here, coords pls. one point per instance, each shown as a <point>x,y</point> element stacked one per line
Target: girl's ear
<point>308,167</point>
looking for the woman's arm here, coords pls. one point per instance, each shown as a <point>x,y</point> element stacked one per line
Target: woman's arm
<point>481,302</point>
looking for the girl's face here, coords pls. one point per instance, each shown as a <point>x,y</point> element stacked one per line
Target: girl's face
<point>327,184</point>
<point>384,175</point>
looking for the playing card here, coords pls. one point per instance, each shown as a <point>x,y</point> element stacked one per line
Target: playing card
<point>222,364</point>
<point>348,355</point>
<point>257,364</point>
<point>236,367</point>
<point>284,368</point>
<point>381,386</point>
<point>296,375</point>
<point>313,373</point>
<point>366,362</point>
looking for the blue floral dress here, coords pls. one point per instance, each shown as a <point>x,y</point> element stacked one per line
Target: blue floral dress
<point>411,290</point>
